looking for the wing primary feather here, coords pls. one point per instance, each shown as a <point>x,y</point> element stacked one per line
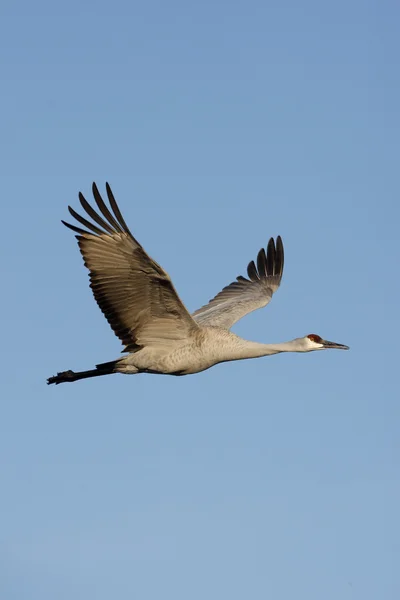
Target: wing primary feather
<point>252,271</point>
<point>92,213</point>
<point>262,263</point>
<point>104,210</point>
<point>270,257</point>
<point>84,222</point>
<point>76,229</point>
<point>117,212</point>
<point>279,255</point>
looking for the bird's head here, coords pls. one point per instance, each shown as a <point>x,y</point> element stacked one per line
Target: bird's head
<point>315,342</point>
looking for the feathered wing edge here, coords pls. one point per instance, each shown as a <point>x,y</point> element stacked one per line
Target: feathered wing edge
<point>245,295</point>
<point>115,223</point>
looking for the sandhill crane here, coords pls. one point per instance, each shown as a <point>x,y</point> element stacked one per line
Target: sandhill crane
<point>140,303</point>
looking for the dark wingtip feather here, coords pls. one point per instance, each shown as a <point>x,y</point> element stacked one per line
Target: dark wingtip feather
<point>269,262</point>
<point>252,271</point>
<point>73,228</point>
<point>104,209</point>
<point>279,261</point>
<point>262,263</point>
<point>93,214</point>
<point>110,224</point>
<point>84,221</point>
<point>270,257</point>
<point>117,212</point>
<point>95,189</point>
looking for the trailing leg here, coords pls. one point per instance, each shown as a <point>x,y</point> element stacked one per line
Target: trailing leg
<point>67,376</point>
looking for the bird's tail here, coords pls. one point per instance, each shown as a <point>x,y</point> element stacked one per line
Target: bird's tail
<point>102,369</point>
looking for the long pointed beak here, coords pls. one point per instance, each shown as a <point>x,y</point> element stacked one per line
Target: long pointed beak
<point>335,345</point>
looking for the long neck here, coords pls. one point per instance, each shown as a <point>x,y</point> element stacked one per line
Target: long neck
<point>247,349</point>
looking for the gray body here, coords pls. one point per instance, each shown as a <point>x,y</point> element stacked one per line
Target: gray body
<point>205,348</point>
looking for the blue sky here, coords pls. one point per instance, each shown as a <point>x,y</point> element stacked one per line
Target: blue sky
<point>218,125</point>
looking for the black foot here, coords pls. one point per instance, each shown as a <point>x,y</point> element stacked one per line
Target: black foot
<point>62,377</point>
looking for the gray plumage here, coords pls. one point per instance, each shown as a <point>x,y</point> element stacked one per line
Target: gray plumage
<point>139,301</point>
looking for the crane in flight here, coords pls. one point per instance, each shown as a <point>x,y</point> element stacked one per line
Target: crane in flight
<point>138,299</point>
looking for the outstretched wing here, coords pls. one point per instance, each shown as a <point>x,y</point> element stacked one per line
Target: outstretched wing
<point>245,295</point>
<point>135,294</point>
